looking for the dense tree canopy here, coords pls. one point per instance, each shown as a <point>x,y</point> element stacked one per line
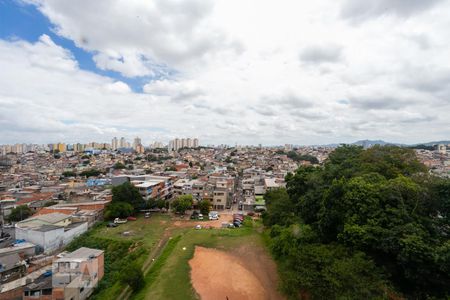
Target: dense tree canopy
<point>374,210</point>
<point>118,210</point>
<point>128,193</point>
<point>204,206</point>
<point>182,203</point>
<point>305,157</point>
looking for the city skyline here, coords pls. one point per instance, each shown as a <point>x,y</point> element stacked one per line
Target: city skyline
<point>319,73</point>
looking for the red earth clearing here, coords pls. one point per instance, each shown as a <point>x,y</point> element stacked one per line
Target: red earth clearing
<point>246,273</point>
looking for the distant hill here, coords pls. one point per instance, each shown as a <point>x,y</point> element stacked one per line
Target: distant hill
<point>370,143</point>
<point>433,143</point>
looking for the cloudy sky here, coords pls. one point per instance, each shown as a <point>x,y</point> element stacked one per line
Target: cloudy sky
<point>225,71</point>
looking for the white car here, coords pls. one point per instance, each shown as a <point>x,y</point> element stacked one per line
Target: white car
<point>198,226</point>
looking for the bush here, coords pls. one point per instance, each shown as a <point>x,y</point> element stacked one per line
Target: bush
<point>20,213</point>
<point>133,276</point>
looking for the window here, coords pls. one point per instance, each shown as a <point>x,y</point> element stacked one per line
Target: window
<point>47,292</point>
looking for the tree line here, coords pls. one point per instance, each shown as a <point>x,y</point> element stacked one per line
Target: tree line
<point>367,224</point>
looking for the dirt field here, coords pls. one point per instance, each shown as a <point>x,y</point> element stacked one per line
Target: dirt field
<point>237,275</point>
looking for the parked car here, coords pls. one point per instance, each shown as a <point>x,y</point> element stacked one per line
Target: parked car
<point>111,224</point>
<point>119,221</point>
<point>147,215</point>
<point>237,221</point>
<point>200,217</point>
<point>8,225</point>
<point>130,218</point>
<point>198,226</point>
<point>213,215</point>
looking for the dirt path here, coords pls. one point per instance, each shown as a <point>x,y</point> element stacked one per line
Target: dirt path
<point>126,293</point>
<point>239,275</point>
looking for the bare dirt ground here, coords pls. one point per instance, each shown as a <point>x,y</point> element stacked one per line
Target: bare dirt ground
<point>244,273</point>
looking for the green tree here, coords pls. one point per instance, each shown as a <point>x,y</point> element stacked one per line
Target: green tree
<point>118,166</point>
<point>376,209</point>
<point>279,208</point>
<point>160,203</point>
<point>69,174</point>
<point>182,203</point>
<point>133,276</point>
<point>118,210</point>
<point>204,206</point>
<point>128,193</point>
<point>91,173</point>
<point>20,213</point>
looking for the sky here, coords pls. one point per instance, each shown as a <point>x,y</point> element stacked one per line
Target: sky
<point>268,72</point>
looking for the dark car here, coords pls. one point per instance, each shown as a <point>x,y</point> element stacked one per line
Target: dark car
<point>111,225</point>
<point>237,224</point>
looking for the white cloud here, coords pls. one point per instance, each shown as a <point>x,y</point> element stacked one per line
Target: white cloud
<point>229,71</point>
<point>128,36</point>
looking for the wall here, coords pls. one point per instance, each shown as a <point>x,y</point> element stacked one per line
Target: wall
<point>48,240</point>
<point>69,235</point>
<point>15,294</point>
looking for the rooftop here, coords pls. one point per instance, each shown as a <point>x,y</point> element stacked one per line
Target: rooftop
<point>49,218</point>
<point>81,253</point>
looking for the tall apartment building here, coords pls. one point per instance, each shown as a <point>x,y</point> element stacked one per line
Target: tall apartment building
<point>137,142</point>
<point>177,143</point>
<point>114,143</point>
<point>122,143</point>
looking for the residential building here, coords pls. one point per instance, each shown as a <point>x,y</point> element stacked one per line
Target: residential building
<point>74,276</point>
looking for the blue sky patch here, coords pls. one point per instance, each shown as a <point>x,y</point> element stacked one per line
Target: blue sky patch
<point>23,21</point>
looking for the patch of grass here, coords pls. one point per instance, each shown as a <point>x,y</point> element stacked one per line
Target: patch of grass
<point>148,231</point>
<point>156,267</point>
<point>121,250</point>
<point>173,279</point>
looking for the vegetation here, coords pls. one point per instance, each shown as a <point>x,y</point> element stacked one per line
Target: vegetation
<point>423,147</point>
<point>50,203</point>
<point>117,258</point>
<point>302,157</point>
<point>128,193</point>
<point>182,203</point>
<point>121,251</point>
<point>91,173</point>
<point>155,270</point>
<point>20,213</point>
<point>118,166</point>
<point>158,203</point>
<point>133,276</point>
<point>118,210</point>
<point>204,206</point>
<point>172,268</point>
<point>369,222</point>
<point>69,174</point>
